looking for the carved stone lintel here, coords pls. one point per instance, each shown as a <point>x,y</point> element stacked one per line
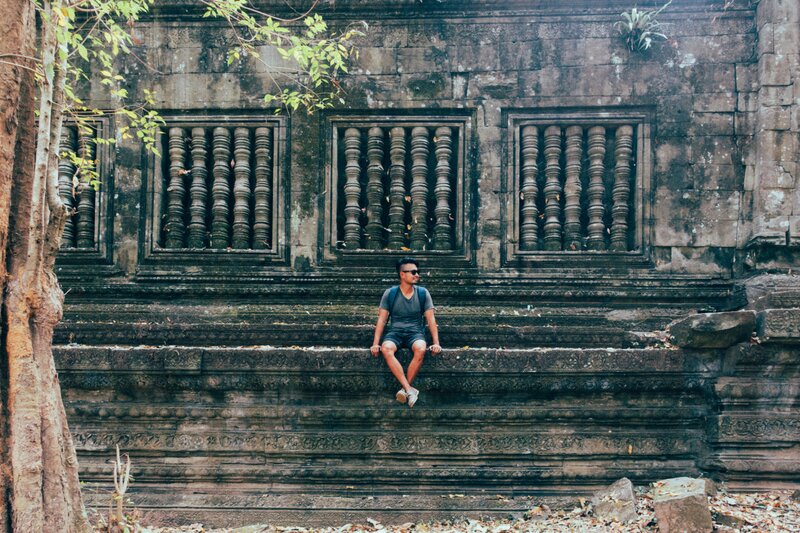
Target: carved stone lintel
<point>442,231</point>
<point>86,200</point>
<point>198,192</point>
<point>375,189</point>
<point>596,190</point>
<point>623,155</point>
<point>529,189</point>
<point>176,191</point>
<point>241,189</point>
<point>419,188</point>
<point>352,188</point>
<point>262,225</point>
<point>552,188</point>
<point>572,189</point>
<point>66,173</point>
<point>221,190</point>
<point>397,188</point>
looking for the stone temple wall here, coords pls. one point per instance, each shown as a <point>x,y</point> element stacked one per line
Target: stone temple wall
<point>557,144</point>
<point>567,199</point>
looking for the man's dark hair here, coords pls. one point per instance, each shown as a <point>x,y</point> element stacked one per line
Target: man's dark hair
<point>405,261</point>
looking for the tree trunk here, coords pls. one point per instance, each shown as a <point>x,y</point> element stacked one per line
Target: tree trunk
<point>39,488</point>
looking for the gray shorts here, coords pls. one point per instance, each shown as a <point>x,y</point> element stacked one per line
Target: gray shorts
<point>403,339</point>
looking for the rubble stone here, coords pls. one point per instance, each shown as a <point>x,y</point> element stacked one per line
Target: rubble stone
<point>713,330</point>
<point>616,502</point>
<point>681,505</point>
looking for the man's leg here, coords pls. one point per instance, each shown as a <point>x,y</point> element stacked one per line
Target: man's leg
<point>388,349</point>
<point>418,349</point>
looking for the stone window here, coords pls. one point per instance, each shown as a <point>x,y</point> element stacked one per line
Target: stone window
<point>86,233</point>
<point>579,185</point>
<point>397,185</point>
<point>217,189</point>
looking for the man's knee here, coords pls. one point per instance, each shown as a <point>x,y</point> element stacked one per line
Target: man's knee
<point>388,349</point>
<point>419,349</point>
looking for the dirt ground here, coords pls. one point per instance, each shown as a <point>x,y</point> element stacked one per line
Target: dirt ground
<point>770,511</point>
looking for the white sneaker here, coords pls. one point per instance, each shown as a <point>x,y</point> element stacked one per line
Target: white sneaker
<point>401,396</point>
<point>413,395</point>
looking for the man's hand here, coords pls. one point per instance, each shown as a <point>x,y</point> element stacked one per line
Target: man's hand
<point>436,349</point>
<point>375,349</point>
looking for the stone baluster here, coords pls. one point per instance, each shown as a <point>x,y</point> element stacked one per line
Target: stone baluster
<point>374,189</point>
<point>623,154</point>
<point>552,188</point>
<point>596,190</point>
<point>572,188</point>
<point>66,173</point>
<point>352,188</point>
<point>221,190</point>
<point>397,188</point>
<point>262,225</point>
<point>174,227</point>
<point>241,189</point>
<point>86,198</point>
<point>442,234</point>
<point>198,191</point>
<point>529,189</point>
<point>419,188</point>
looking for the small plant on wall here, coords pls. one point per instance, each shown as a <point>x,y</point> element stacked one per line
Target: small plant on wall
<point>639,28</point>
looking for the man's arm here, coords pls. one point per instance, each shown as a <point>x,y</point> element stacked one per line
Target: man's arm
<point>383,316</point>
<point>431,318</point>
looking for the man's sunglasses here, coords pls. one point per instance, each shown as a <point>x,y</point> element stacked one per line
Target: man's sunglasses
<point>412,272</point>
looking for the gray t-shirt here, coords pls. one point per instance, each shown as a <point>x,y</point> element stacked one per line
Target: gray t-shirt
<point>405,317</point>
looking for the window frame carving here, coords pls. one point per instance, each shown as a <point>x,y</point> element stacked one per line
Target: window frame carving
<point>641,189</point>
<point>461,124</point>
<point>153,254</point>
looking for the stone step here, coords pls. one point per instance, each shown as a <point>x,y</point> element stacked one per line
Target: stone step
<point>313,420</point>
<point>258,505</point>
<point>561,286</point>
<point>345,325</point>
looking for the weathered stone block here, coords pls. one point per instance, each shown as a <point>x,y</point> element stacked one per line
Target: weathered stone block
<point>715,102</point>
<point>616,502</point>
<point>493,85</point>
<point>681,506</point>
<point>773,69</point>
<point>540,82</point>
<point>416,60</point>
<point>711,124</point>
<point>671,233</point>
<point>705,260</point>
<point>373,60</point>
<point>475,58</point>
<point>766,37</point>
<point>775,203</point>
<point>770,96</point>
<point>711,177</point>
<point>711,78</point>
<point>747,102</point>
<point>715,150</point>
<point>746,78</point>
<point>731,48</point>
<point>713,330</point>
<point>522,55</point>
<point>776,118</point>
<point>779,326</point>
<point>428,86</point>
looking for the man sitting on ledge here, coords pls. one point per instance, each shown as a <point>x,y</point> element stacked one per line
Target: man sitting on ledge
<point>407,304</point>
